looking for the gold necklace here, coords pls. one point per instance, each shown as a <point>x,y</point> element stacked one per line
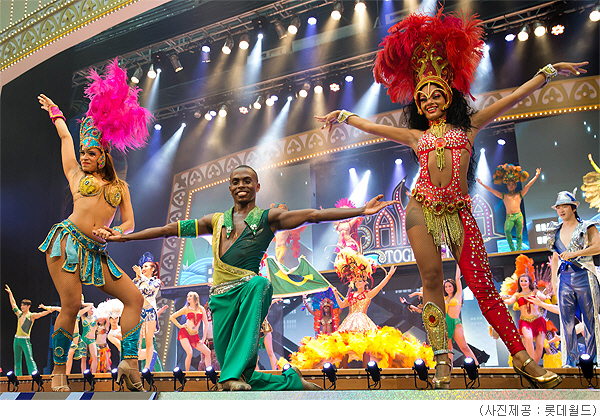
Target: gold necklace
<point>438,128</point>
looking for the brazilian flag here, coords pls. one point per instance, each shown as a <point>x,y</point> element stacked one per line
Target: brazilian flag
<point>301,280</point>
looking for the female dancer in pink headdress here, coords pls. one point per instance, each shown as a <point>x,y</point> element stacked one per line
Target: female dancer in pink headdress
<point>347,229</point>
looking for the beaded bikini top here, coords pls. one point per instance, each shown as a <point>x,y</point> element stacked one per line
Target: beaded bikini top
<point>89,186</point>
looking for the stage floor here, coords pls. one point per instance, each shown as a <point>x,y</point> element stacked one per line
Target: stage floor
<point>493,384</point>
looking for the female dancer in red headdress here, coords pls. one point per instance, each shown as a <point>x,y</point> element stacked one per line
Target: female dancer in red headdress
<point>431,61</point>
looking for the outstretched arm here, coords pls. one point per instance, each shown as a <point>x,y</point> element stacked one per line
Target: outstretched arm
<point>11,298</point>
<point>511,299</point>
<point>69,159</point>
<point>372,293</point>
<point>399,135</point>
<point>493,191</point>
<point>530,183</point>
<point>342,303</point>
<point>286,220</point>
<point>459,291</point>
<point>307,306</point>
<point>169,230</point>
<point>488,114</point>
<point>37,315</point>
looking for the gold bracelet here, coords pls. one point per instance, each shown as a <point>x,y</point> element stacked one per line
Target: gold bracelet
<point>344,115</point>
<point>118,229</point>
<point>549,72</point>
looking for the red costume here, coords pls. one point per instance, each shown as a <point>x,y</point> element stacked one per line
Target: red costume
<point>191,335</point>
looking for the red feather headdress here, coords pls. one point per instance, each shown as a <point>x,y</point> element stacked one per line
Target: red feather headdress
<point>421,49</point>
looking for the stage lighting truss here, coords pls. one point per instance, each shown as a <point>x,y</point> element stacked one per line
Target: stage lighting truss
<point>471,371</point>
<point>178,377</point>
<point>36,379</point>
<point>336,13</point>
<point>330,372</point>
<point>294,25</point>
<point>228,45</point>
<point>373,372</point>
<point>587,371</point>
<point>12,380</point>
<point>211,378</point>
<point>420,370</point>
<point>148,377</point>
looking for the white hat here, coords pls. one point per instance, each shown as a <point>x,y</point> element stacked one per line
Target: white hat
<point>565,197</point>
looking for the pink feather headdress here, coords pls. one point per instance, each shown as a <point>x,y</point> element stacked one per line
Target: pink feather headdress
<point>421,49</point>
<point>114,118</point>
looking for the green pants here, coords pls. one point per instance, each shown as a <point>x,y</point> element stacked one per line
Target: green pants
<point>22,347</point>
<point>514,220</point>
<point>237,317</point>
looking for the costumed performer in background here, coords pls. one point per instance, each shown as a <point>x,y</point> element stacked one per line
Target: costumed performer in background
<point>347,229</point>
<point>239,298</point>
<point>431,61</point>
<point>454,299</point>
<point>147,280</point>
<point>74,253</point>
<point>284,237</point>
<point>88,339</point>
<point>325,312</point>
<point>510,175</point>
<point>573,243</point>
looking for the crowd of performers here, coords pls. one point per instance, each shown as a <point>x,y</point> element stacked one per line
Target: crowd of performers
<point>427,62</point>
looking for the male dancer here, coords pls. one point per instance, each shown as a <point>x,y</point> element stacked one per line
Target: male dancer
<point>22,342</point>
<point>574,242</point>
<point>510,175</point>
<point>239,298</point>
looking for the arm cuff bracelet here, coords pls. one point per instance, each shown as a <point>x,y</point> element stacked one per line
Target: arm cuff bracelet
<point>344,115</point>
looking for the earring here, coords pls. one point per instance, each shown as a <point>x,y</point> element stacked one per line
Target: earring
<point>101,161</point>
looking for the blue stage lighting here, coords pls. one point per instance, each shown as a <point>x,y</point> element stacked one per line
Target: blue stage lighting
<point>501,142</point>
<point>312,20</point>
<point>349,78</point>
<point>398,161</point>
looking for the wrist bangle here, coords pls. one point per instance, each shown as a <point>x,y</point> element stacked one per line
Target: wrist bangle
<point>55,113</point>
<point>549,72</point>
<point>118,229</point>
<point>344,115</point>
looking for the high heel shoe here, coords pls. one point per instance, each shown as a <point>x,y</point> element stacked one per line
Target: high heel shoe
<point>547,381</point>
<point>444,381</point>
<point>62,387</point>
<point>124,373</point>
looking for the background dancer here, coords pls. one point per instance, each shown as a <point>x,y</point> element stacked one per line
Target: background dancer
<point>240,299</point>
<point>114,119</point>
<point>22,342</point>
<point>441,130</point>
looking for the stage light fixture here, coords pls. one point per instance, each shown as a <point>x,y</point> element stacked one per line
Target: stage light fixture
<point>539,29</point>
<point>157,127</point>
<point>482,150</point>
<point>318,87</point>
<point>260,25</point>
<point>212,113</point>
<point>148,377</point>
<point>206,48</point>
<point>228,45</point>
<point>330,371</point>
<point>501,142</point>
<point>359,6</point>
<point>136,75</point>
<point>197,114</point>
<point>294,25</point>
<point>178,376</point>
<point>183,125</point>
<point>524,34</point>
<point>269,101</point>
<point>398,161</point>
<point>223,111</point>
<point>244,41</point>
<point>420,369</point>
<point>336,13</point>
<point>275,98</point>
<point>89,378</point>
<point>151,72</point>
<point>558,29</point>
<point>303,93</point>
<point>470,370</point>
<point>312,20</point>
<point>258,103</point>
<point>211,377</point>
<point>243,110</point>
<point>349,78</point>
<point>510,37</point>
<point>280,29</point>
<point>595,14</point>
<point>586,369</point>
<point>36,378</point>
<point>114,374</point>
<point>175,63</point>
<point>286,367</point>
<point>334,87</point>
<point>207,116</point>
<point>205,53</point>
<point>374,372</point>
<point>12,380</point>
